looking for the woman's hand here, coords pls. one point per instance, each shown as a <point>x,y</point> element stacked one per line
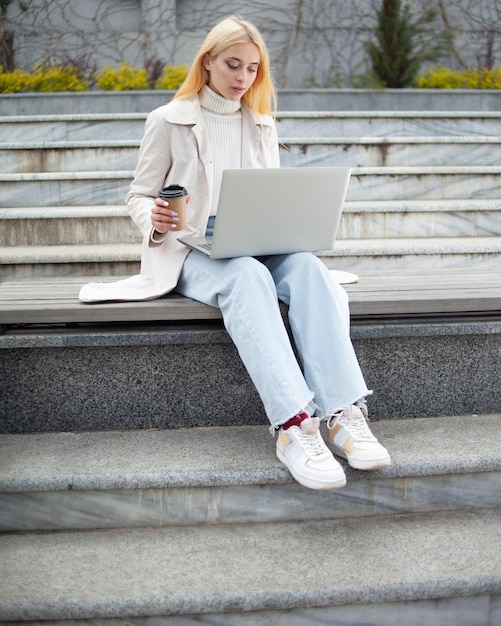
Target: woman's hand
<point>163,218</point>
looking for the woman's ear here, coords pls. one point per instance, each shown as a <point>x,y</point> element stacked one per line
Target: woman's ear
<point>206,62</point>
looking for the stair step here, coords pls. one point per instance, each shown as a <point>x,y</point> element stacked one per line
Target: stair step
<point>350,255</point>
<point>73,127</point>
<point>83,103</point>
<point>388,123</point>
<point>68,156</point>
<point>420,218</point>
<point>50,226</point>
<point>249,568</point>
<point>480,252</point>
<point>349,123</point>
<point>424,183</point>
<point>113,259</point>
<point>51,189</point>
<point>311,99</point>
<point>327,151</point>
<point>188,476</point>
<point>371,183</point>
<point>390,151</point>
<point>71,253</point>
<point>107,224</point>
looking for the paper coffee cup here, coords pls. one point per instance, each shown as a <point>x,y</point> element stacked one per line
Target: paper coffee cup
<point>176,197</point>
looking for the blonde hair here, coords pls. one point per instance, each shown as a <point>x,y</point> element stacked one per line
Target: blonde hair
<point>261,96</point>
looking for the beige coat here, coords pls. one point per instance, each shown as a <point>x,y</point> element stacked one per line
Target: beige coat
<point>175,150</point>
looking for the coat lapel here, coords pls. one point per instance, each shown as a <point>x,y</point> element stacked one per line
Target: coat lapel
<point>250,137</point>
<point>188,113</point>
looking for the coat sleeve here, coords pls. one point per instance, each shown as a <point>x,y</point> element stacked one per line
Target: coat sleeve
<point>154,162</point>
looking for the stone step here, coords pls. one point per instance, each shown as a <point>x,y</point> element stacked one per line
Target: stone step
<point>303,124</point>
<point>390,151</point>
<point>74,225</point>
<point>423,253</point>
<point>258,573</point>
<point>116,259</point>
<point>142,501</point>
<point>420,218</point>
<point>354,123</point>
<point>68,156</point>
<point>104,376</point>
<point>48,226</point>
<point>424,183</point>
<point>371,183</point>
<point>120,479</point>
<point>73,127</point>
<point>369,100</point>
<point>52,189</point>
<point>295,152</point>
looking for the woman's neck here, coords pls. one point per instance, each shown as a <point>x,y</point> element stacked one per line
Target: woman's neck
<point>215,103</point>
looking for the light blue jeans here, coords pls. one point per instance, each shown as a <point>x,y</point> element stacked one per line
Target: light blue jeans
<point>248,290</point>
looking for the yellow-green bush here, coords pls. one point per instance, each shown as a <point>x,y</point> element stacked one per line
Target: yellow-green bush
<point>44,77</point>
<point>123,78</point>
<point>444,78</point>
<point>14,82</point>
<point>47,77</point>
<point>172,77</point>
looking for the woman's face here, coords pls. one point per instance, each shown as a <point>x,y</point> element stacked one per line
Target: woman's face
<point>233,71</point>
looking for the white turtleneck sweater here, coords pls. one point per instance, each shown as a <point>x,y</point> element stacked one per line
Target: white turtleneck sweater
<point>223,120</point>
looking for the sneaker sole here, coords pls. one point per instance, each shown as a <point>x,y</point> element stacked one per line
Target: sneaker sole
<point>361,464</point>
<point>309,482</point>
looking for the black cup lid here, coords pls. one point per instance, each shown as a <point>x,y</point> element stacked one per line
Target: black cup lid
<point>173,191</point>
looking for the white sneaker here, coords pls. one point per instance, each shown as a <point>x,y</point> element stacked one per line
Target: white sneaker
<point>301,448</point>
<point>350,437</point>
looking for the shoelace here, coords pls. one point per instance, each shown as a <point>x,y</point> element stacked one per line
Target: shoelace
<point>354,424</point>
<point>312,443</point>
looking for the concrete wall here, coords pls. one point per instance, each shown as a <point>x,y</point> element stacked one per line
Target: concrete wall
<point>312,42</point>
<point>72,103</point>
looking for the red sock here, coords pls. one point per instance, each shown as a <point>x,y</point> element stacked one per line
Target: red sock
<point>296,420</point>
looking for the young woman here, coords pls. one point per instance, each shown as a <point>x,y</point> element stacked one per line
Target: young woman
<point>221,118</point>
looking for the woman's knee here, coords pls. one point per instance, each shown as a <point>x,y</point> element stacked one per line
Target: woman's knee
<point>248,277</point>
<point>301,267</point>
<point>249,281</point>
<point>248,269</point>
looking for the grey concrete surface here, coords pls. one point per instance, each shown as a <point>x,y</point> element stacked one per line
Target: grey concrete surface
<point>108,378</point>
<point>65,481</point>
<point>212,569</point>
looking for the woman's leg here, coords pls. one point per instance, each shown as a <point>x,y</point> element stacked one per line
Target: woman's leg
<point>244,290</point>
<point>319,319</point>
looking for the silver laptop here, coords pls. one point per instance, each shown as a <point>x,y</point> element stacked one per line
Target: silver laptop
<point>275,211</point>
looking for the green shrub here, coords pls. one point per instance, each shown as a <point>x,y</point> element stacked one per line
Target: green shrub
<point>402,43</point>
<point>475,78</point>
<point>123,78</point>
<point>172,77</point>
<point>44,77</point>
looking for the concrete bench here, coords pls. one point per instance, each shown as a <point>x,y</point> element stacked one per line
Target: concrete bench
<point>390,294</point>
<point>429,344</point>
